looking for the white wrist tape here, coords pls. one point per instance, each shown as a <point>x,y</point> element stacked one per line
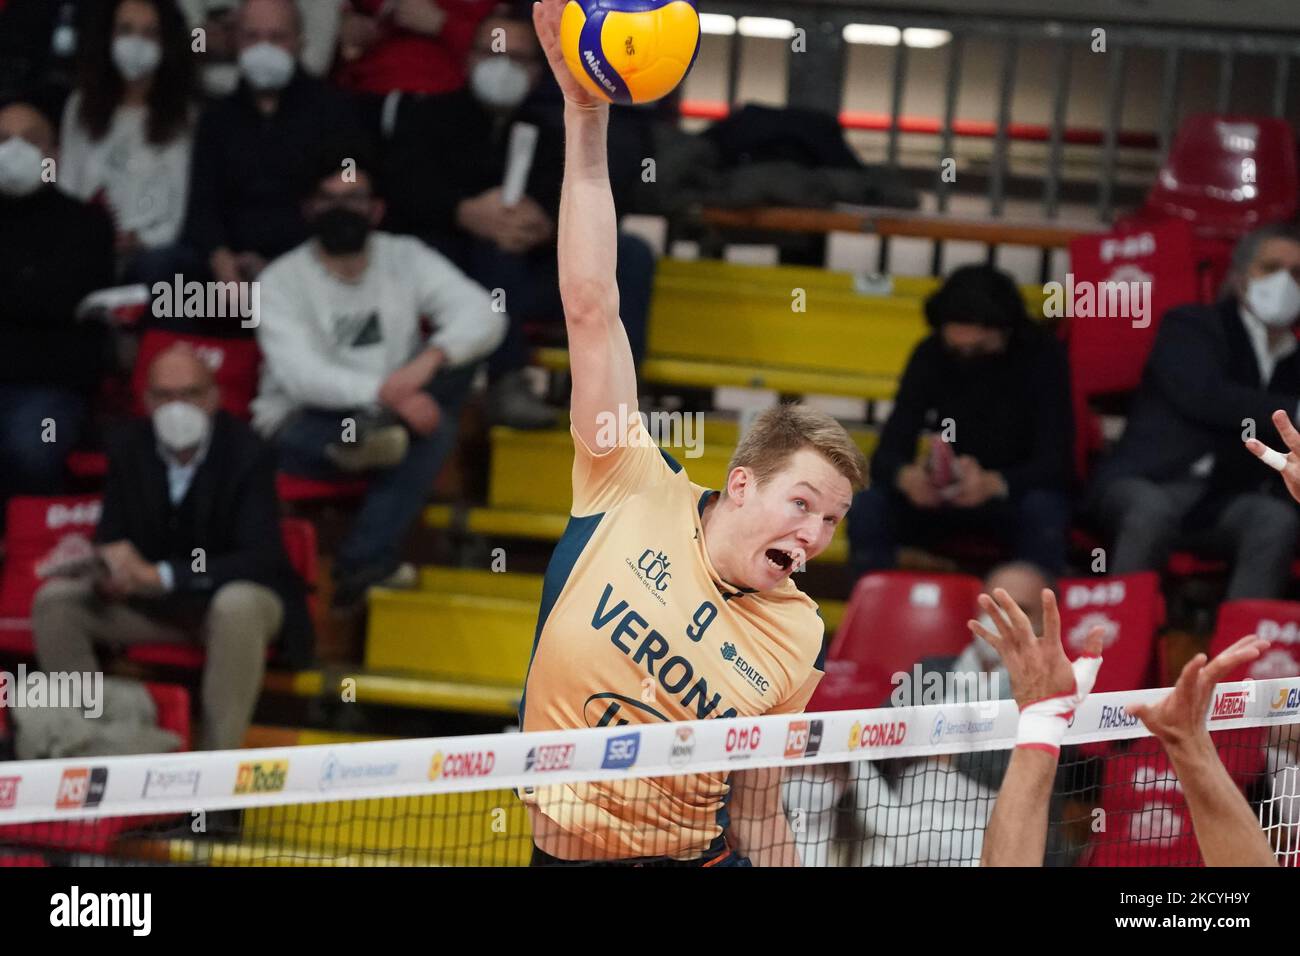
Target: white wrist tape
<point>1043,723</point>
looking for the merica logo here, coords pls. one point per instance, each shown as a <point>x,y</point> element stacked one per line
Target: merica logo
<point>1114,717</point>
<point>632,635</point>
<point>620,752</point>
<point>262,776</point>
<point>472,763</point>
<point>877,735</point>
<point>1228,705</point>
<point>743,742</point>
<point>9,792</point>
<point>683,748</point>
<point>550,757</point>
<point>170,783</point>
<point>336,773</point>
<point>744,668</point>
<point>958,728</point>
<point>81,787</point>
<point>803,739</point>
<point>1286,702</point>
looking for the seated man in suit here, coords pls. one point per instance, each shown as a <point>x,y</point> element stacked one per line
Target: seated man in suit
<point>1214,376</point>
<point>190,549</point>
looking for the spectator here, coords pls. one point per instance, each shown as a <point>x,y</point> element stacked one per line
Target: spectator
<point>38,45</point>
<point>411,46</point>
<point>453,199</point>
<point>1178,477</point>
<point>54,250</point>
<point>993,390</point>
<point>341,334</point>
<point>220,73</point>
<point>190,544</point>
<point>251,149</point>
<point>127,129</point>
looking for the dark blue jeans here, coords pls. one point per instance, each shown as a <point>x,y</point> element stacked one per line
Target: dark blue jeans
<point>28,463</point>
<point>531,283</point>
<point>395,497</point>
<point>1034,524</point>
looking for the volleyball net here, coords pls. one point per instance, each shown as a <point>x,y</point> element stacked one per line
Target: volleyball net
<point>904,786</point>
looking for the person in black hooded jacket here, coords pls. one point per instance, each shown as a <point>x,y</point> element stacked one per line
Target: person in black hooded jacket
<point>992,389</point>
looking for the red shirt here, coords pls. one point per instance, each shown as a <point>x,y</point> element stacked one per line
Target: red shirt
<point>414,63</point>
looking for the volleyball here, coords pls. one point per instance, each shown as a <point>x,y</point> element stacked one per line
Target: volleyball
<point>630,51</point>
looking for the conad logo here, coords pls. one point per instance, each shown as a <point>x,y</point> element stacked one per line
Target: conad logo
<point>86,513</point>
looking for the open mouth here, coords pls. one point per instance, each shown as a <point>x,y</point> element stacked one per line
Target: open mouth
<point>781,560</point>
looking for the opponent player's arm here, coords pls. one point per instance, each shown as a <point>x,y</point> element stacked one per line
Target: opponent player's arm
<point>1288,464</point>
<point>1047,688</point>
<point>759,829</point>
<point>1226,829</point>
<point>600,357</point>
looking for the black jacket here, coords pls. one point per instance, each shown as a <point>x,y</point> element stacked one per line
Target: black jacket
<point>251,171</point>
<point>231,511</point>
<point>54,250</point>
<point>1200,387</point>
<point>1012,415</point>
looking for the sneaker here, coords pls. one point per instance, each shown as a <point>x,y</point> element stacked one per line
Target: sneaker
<point>378,448</point>
<point>351,589</point>
<point>511,402</point>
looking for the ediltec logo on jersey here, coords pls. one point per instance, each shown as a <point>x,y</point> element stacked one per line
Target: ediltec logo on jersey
<point>884,734</point>
<point>1287,701</point>
<point>683,748</point>
<point>803,739</point>
<point>620,752</point>
<point>473,763</point>
<point>550,757</point>
<point>9,792</point>
<point>81,787</point>
<point>1229,704</point>
<point>262,776</point>
<point>744,668</point>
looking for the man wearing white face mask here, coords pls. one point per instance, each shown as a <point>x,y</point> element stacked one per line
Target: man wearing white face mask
<point>54,250</point>
<point>190,542</point>
<point>1215,376</point>
<point>251,148</point>
<point>128,127</point>
<point>446,171</point>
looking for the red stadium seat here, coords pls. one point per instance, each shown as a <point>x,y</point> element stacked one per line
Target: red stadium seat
<point>97,835</point>
<point>1146,818</point>
<point>893,619</point>
<point>1131,609</point>
<point>34,528</point>
<point>300,545</point>
<point>1227,175</point>
<point>1107,355</point>
<point>1276,621</point>
<point>294,488</point>
<point>234,363</point>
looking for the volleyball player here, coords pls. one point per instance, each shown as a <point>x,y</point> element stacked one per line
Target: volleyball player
<point>664,601</point>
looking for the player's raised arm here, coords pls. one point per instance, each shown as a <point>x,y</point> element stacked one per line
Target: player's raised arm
<point>600,358</point>
<point>1288,464</point>
<point>1226,829</point>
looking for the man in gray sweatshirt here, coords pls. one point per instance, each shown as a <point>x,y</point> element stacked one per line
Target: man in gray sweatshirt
<point>370,343</point>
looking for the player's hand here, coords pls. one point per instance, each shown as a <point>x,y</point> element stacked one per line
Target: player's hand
<point>1038,666</point>
<point>421,413</point>
<point>546,18</point>
<point>917,487</point>
<point>1288,464</point>
<point>1179,718</point>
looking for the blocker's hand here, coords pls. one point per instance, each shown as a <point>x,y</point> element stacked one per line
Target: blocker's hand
<point>546,18</point>
<point>1037,665</point>
<point>1288,464</point>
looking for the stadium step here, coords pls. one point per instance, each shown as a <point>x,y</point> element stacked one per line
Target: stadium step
<point>401,689</point>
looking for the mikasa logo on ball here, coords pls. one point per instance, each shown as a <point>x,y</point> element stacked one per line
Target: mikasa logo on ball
<point>594,64</point>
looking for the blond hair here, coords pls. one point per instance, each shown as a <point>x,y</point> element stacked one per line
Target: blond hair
<point>781,431</point>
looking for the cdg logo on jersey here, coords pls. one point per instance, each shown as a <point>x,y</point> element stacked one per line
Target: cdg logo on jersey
<point>655,568</point>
